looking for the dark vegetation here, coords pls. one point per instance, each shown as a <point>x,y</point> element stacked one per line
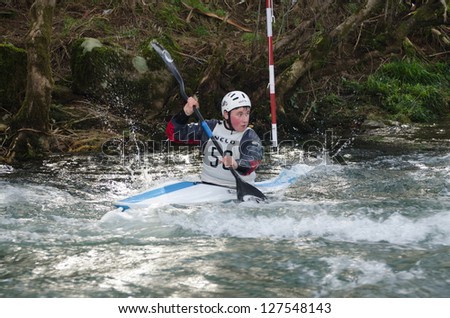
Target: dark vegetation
<point>338,64</point>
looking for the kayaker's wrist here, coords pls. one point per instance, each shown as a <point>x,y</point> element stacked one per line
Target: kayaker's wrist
<point>189,106</point>
<point>187,111</point>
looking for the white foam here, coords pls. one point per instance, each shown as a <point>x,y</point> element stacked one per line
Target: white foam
<point>22,194</point>
<point>297,220</point>
<point>347,273</point>
<point>5,169</point>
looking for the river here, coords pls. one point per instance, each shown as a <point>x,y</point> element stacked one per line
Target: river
<point>378,226</point>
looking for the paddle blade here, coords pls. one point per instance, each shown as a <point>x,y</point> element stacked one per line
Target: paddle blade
<point>243,188</point>
<point>167,58</point>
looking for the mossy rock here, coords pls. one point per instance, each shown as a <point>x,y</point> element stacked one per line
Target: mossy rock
<point>13,76</point>
<point>115,77</point>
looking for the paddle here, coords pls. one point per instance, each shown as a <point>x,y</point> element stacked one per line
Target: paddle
<point>243,188</point>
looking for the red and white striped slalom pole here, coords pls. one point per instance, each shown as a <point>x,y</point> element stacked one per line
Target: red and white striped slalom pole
<point>273,105</point>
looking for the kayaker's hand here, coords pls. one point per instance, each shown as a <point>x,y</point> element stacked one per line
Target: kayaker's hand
<point>189,107</point>
<point>229,161</point>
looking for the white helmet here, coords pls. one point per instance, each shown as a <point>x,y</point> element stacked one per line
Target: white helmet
<point>235,99</point>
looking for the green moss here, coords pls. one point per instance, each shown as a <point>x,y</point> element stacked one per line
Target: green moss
<point>13,76</point>
<point>378,42</point>
<point>103,25</point>
<point>352,7</point>
<point>130,33</point>
<point>320,47</point>
<point>333,100</point>
<point>201,31</point>
<point>69,23</point>
<point>169,14</point>
<point>92,65</point>
<point>197,4</point>
<point>114,77</point>
<point>154,61</point>
<point>253,37</point>
<point>98,23</point>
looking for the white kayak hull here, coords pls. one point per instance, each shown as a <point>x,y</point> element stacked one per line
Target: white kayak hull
<point>191,192</point>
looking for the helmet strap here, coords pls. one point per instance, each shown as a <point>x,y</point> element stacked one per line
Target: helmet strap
<point>228,125</point>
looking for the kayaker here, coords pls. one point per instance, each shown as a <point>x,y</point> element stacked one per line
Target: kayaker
<point>241,145</point>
